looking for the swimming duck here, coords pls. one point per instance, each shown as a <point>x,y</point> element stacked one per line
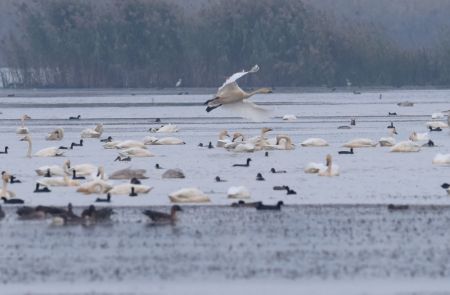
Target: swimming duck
<point>159,217</point>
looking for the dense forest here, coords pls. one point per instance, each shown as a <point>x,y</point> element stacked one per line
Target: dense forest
<point>153,43</point>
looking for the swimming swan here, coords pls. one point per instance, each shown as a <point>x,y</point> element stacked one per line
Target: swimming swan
<point>4,193</point>
<point>238,192</point>
<point>128,173</point>
<point>54,169</point>
<point>97,186</point>
<point>56,134</point>
<point>188,195</point>
<point>22,129</point>
<point>360,142</point>
<point>314,142</point>
<point>136,152</point>
<point>419,136</point>
<point>289,117</point>
<point>231,96</point>
<point>331,170</point>
<point>436,124</point>
<point>390,140</point>
<point>406,147</point>
<point>84,169</point>
<point>150,140</point>
<point>223,140</point>
<point>125,189</point>
<point>126,144</point>
<point>58,181</point>
<point>283,142</point>
<point>169,128</point>
<point>47,152</point>
<point>441,159</point>
<point>314,167</point>
<point>93,133</point>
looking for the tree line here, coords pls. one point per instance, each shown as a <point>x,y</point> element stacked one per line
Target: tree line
<point>153,43</point>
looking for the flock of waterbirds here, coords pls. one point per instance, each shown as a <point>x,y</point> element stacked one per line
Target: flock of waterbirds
<point>90,179</point>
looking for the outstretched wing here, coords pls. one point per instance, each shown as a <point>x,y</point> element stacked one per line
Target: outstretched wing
<point>238,75</point>
<point>249,110</point>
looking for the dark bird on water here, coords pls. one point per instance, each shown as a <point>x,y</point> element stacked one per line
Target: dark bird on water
<point>243,165</point>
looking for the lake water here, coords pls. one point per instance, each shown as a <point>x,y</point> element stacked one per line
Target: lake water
<point>335,234</point>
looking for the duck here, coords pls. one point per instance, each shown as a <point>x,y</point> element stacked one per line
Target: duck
<point>243,165</point>
<point>273,170</point>
<point>390,140</point>
<point>159,217</point>
<point>406,146</point>
<point>391,125</point>
<point>157,166</point>
<point>58,181</point>
<point>243,204</point>
<point>47,152</point>
<point>129,173</point>
<point>218,179</point>
<point>436,124</point>
<point>437,129</point>
<point>331,170</point>
<point>126,144</point>
<point>75,118</point>
<point>12,201</point>
<point>350,152</point>
<point>122,159</point>
<point>419,136</point>
<point>105,200</point>
<point>441,159</point>
<point>429,143</point>
<point>238,192</point>
<point>310,142</point>
<point>136,152</point>
<point>280,187</point>
<point>22,129</point>
<point>54,170</point>
<point>446,186</point>
<point>38,189</point>
<point>57,134</point>
<point>173,173</point>
<point>76,144</point>
<point>405,104</point>
<point>168,128</point>
<point>108,139</point>
<point>289,117</point>
<point>290,191</point>
<point>259,177</point>
<point>360,142</point>
<point>93,133</point>
<point>13,179</point>
<point>392,114</point>
<point>223,139</point>
<point>270,207</point>
<point>150,140</point>
<point>30,213</point>
<point>232,97</point>
<point>188,195</point>
<point>5,151</point>
<point>97,215</point>
<point>4,193</point>
<point>392,207</point>
<point>126,188</point>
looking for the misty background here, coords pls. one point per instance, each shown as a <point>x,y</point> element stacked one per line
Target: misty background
<point>153,43</point>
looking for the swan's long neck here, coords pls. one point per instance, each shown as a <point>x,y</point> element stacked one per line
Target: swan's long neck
<point>222,135</point>
<point>29,149</point>
<point>329,164</point>
<point>22,120</point>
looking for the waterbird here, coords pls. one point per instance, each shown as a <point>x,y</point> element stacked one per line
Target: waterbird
<point>173,173</point>
<point>330,170</point>
<point>430,143</point>
<point>270,207</point>
<point>22,129</point>
<point>47,152</point>
<point>76,144</point>
<point>12,179</point>
<point>75,118</point>
<point>344,127</point>
<point>5,151</point>
<point>178,84</point>
<point>243,204</point>
<point>231,96</point>
<point>50,210</point>
<point>392,207</point>
<point>290,191</point>
<point>12,201</point>
<point>188,195</point>
<point>280,187</point>
<point>57,134</point>
<point>41,190</point>
<point>346,152</point>
<point>97,215</point>
<point>160,217</point>
<point>446,186</point>
<point>210,146</point>
<point>157,120</point>
<point>259,177</point>
<point>313,141</point>
<point>133,192</point>
<point>157,166</point>
<point>2,213</point>
<point>434,129</point>
<point>266,154</point>
<point>93,133</point>
<point>74,175</point>
<point>392,114</point>
<point>218,179</point>
<point>108,139</point>
<point>391,125</point>
<point>277,171</point>
<point>104,200</point>
<point>243,165</point>
<point>122,159</point>
<point>29,213</point>
<point>352,122</point>
<point>4,192</point>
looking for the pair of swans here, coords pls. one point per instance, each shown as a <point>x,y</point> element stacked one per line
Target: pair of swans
<point>57,134</point>
<point>323,170</point>
<point>93,133</point>
<point>232,97</point>
<point>22,129</point>
<point>47,152</point>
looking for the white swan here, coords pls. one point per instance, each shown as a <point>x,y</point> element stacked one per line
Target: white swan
<point>150,140</point>
<point>437,116</point>
<point>289,117</point>
<point>231,96</point>
<point>4,192</point>
<point>168,128</point>
<point>314,167</point>
<point>360,142</point>
<point>128,173</point>
<point>47,152</point>
<point>234,141</point>
<point>441,159</point>
<point>22,129</point>
<point>188,195</point>
<point>97,186</point>
<point>245,147</point>
<point>136,152</point>
<point>125,189</point>
<point>126,144</point>
<point>419,136</point>
<point>54,169</point>
<point>331,170</point>
<point>93,133</point>
<point>314,142</point>
<point>223,140</point>
<point>260,139</point>
<point>56,134</point>
<point>58,181</point>
<point>390,140</point>
<point>238,192</point>
<point>406,147</point>
<point>436,124</point>
<point>111,144</point>
<point>283,142</point>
